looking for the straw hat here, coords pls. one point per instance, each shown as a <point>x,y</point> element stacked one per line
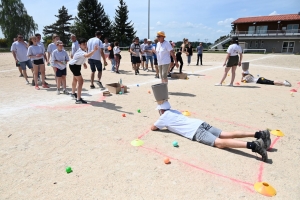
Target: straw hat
<point>161,33</point>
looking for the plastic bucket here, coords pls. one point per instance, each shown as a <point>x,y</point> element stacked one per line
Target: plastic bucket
<point>245,66</point>
<point>160,91</point>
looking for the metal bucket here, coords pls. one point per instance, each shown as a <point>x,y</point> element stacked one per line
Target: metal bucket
<point>245,66</point>
<point>160,91</point>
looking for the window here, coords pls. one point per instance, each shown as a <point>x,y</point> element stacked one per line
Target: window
<point>251,29</point>
<point>261,29</point>
<point>256,44</point>
<point>292,28</point>
<point>261,44</point>
<point>250,44</point>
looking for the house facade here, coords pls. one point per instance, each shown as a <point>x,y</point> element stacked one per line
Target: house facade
<point>277,33</point>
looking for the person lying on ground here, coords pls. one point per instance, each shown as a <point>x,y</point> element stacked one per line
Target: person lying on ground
<point>249,78</point>
<point>200,131</point>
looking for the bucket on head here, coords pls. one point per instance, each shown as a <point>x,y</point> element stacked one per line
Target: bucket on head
<point>245,66</point>
<point>160,91</point>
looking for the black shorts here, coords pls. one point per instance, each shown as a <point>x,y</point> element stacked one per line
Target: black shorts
<point>95,64</point>
<point>136,60</point>
<point>262,80</point>
<point>61,72</point>
<point>75,69</point>
<point>144,58</point>
<point>172,60</point>
<point>155,61</point>
<point>232,61</point>
<point>38,62</point>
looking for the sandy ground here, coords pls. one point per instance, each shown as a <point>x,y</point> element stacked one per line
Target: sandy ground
<point>43,133</point>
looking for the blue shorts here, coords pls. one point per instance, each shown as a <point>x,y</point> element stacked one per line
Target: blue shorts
<point>28,63</point>
<point>95,64</point>
<point>207,134</point>
<point>149,58</point>
<point>61,72</point>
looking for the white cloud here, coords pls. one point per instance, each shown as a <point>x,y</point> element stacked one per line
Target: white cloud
<point>226,22</point>
<point>221,31</point>
<point>273,13</point>
<point>158,23</point>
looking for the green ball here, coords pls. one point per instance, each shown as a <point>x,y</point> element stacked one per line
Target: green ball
<point>69,170</point>
<point>139,111</point>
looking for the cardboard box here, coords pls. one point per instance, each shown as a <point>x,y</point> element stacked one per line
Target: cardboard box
<point>178,75</point>
<point>115,88</point>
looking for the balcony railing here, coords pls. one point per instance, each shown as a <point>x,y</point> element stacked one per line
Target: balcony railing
<point>267,33</point>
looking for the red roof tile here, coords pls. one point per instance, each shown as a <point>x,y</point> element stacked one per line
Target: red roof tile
<point>267,18</point>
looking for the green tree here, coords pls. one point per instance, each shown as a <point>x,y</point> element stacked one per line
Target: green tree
<point>14,19</point>
<point>61,27</point>
<point>91,17</point>
<point>123,30</point>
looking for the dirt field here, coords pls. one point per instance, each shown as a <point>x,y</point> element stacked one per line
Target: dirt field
<point>42,133</point>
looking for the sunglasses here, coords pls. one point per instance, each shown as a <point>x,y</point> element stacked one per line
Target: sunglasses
<point>20,37</point>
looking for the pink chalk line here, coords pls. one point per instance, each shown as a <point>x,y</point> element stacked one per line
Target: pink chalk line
<point>261,167</point>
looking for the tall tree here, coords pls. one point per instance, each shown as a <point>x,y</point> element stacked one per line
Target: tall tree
<point>123,30</point>
<point>61,27</point>
<point>91,17</point>
<point>14,20</point>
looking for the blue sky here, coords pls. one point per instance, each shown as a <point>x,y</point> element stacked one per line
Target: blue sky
<point>195,20</point>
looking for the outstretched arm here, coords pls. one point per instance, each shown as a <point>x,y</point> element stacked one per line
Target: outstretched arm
<point>154,128</point>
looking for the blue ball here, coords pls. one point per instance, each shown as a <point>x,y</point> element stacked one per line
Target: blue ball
<point>175,144</point>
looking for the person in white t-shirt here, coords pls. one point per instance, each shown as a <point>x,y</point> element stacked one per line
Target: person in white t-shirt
<point>117,56</point>
<point>232,60</point>
<point>51,47</point>
<point>106,44</point>
<point>19,49</point>
<point>135,50</point>
<point>148,49</point>
<point>79,58</point>
<point>38,41</point>
<point>95,59</point>
<point>36,53</point>
<point>75,45</point>
<point>249,78</point>
<point>200,131</point>
<point>163,52</point>
<point>59,58</point>
<point>17,63</point>
<point>143,55</point>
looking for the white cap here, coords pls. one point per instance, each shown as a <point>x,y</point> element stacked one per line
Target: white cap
<point>149,40</point>
<point>246,72</point>
<point>165,106</point>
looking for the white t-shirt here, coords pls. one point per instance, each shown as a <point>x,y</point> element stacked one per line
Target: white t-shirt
<point>51,48</point>
<point>148,48</point>
<point>34,50</point>
<point>117,50</point>
<point>106,51</point>
<point>59,56</point>
<point>20,50</point>
<point>11,48</point>
<point>143,48</point>
<point>78,58</point>
<point>42,45</point>
<point>163,53</point>
<point>91,44</point>
<point>250,79</point>
<point>75,47</point>
<point>136,48</point>
<point>176,122</point>
<point>234,50</point>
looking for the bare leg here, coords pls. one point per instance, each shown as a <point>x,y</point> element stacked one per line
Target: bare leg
<point>146,66</point>
<point>279,83</point>
<point>64,82</point>
<point>54,70</point>
<point>156,69</point>
<point>100,75</point>
<point>58,82</point>
<point>25,75</point>
<point>92,78</point>
<point>20,70</point>
<point>229,143</point>
<point>79,87</point>
<point>233,69</point>
<point>236,134</point>
<point>225,74</point>
<point>152,66</point>
<point>42,69</point>
<point>35,74</point>
<point>74,84</point>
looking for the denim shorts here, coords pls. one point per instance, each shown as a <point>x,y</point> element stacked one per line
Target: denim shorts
<point>207,134</point>
<point>149,58</point>
<point>95,64</point>
<point>28,63</point>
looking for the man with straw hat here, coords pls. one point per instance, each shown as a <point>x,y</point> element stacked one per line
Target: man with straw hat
<point>200,131</point>
<point>163,52</point>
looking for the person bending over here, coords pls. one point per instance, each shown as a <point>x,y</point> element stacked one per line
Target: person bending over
<point>249,78</point>
<point>200,131</point>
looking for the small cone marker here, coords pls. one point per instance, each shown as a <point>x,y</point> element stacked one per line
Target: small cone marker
<point>265,189</point>
<point>149,92</point>
<point>237,83</point>
<point>293,90</point>
<point>123,115</point>
<point>186,113</point>
<point>137,143</point>
<point>167,161</point>
<point>278,133</point>
<point>228,75</point>
<point>292,94</point>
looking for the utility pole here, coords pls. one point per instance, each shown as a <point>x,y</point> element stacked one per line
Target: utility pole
<point>148,19</point>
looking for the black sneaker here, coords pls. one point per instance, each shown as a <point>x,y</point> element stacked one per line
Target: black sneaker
<point>74,96</point>
<point>32,83</point>
<point>21,75</point>
<point>138,71</point>
<point>169,75</point>
<point>100,84</point>
<point>117,72</point>
<point>260,149</point>
<point>92,86</point>
<point>265,136</point>
<point>80,101</point>
<point>104,68</point>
